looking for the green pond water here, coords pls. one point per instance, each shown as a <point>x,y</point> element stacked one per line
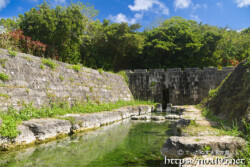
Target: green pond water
<point>124,143</point>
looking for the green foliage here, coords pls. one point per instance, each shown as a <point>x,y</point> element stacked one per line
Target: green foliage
<point>8,127</point>
<point>194,123</point>
<point>123,73</point>
<point>28,58</point>
<point>213,93</point>
<point>247,63</point>
<point>101,70</point>
<point>61,78</point>
<point>206,148</point>
<point>42,67</point>
<point>208,114</point>
<point>12,117</point>
<point>4,95</point>
<point>12,53</point>
<point>2,62</point>
<point>77,67</point>
<point>61,28</point>
<point>152,84</point>
<point>175,42</point>
<point>49,63</point>
<point>4,77</point>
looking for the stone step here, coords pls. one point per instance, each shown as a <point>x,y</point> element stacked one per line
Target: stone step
<point>180,147</point>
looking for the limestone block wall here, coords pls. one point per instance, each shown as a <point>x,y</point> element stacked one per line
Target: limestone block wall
<point>176,86</point>
<point>28,82</point>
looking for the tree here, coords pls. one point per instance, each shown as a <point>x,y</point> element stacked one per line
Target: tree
<point>61,28</point>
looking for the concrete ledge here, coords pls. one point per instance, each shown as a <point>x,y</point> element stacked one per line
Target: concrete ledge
<point>42,130</point>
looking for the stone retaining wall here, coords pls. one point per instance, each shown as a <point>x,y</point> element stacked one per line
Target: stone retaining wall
<point>28,82</point>
<point>40,130</point>
<point>175,86</point>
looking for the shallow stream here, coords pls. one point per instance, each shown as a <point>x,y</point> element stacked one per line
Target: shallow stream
<point>124,143</point>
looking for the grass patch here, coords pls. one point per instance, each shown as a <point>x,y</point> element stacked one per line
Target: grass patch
<point>4,77</point>
<point>2,62</point>
<point>197,130</point>
<point>12,117</point>
<point>208,114</point>
<point>49,63</point>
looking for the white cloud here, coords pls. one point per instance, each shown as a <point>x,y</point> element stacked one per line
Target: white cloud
<point>182,4</point>
<point>195,17</point>
<point>145,5</point>
<point>121,18</point>
<point>239,30</point>
<point>219,5</point>
<point>242,3</point>
<point>198,6</point>
<point>60,1</point>
<point>3,3</point>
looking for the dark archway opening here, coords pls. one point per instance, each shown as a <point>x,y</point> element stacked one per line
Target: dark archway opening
<point>165,98</point>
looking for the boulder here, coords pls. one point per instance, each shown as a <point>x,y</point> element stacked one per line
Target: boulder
<point>179,147</point>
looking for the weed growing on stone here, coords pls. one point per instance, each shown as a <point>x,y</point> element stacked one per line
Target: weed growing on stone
<point>194,123</point>
<point>101,70</point>
<point>2,62</point>
<point>123,73</point>
<point>49,63</point>
<point>12,53</point>
<point>12,117</point>
<point>27,58</point>
<point>77,67</point>
<point>61,78</point>
<point>4,77</point>
<point>42,67</point>
<point>152,84</point>
<point>4,95</point>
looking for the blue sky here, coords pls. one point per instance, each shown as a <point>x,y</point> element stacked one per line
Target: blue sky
<point>232,13</point>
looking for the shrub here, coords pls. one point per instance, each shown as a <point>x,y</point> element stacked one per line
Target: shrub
<point>26,45</point>
<point>4,77</point>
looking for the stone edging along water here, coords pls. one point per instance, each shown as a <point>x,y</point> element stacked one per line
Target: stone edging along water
<point>42,130</point>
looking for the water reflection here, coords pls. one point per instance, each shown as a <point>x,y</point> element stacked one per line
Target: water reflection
<point>124,143</point>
